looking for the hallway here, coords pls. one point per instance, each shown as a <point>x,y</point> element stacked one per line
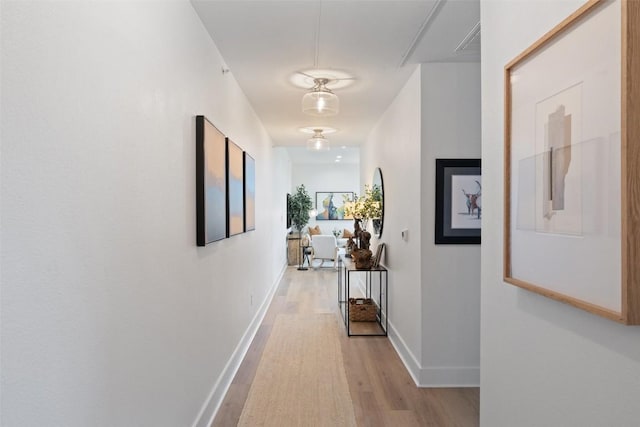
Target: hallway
<point>382,392</point>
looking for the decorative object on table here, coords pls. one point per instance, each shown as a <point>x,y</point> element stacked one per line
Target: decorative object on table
<point>378,195</point>
<point>336,232</point>
<point>211,184</point>
<point>331,205</point>
<point>362,258</point>
<point>378,257</point>
<point>572,166</point>
<point>299,205</point>
<point>362,310</point>
<point>356,226</point>
<point>249,193</point>
<point>235,189</point>
<point>364,238</point>
<point>359,233</point>
<point>458,201</point>
<point>350,246</point>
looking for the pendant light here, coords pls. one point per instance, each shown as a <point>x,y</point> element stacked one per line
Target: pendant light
<point>320,101</point>
<point>318,142</point>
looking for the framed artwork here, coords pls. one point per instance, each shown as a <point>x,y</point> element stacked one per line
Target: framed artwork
<point>288,212</point>
<point>572,163</point>
<point>211,187</point>
<point>378,256</point>
<point>458,201</point>
<point>235,189</point>
<point>330,205</point>
<point>249,192</point>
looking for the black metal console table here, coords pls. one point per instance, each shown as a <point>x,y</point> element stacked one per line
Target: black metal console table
<point>346,268</point>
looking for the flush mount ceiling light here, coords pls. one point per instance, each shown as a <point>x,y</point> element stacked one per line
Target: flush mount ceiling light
<point>305,79</point>
<point>318,142</point>
<point>320,100</point>
<point>310,130</point>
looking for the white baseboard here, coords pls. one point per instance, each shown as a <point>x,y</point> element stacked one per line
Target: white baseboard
<point>405,354</point>
<point>442,376</point>
<point>216,396</point>
<point>450,376</point>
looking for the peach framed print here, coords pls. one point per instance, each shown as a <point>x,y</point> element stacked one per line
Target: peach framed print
<point>211,187</point>
<point>249,192</point>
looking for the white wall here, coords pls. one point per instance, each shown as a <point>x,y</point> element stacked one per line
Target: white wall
<point>341,177</point>
<point>434,289</point>
<point>111,315</point>
<point>282,177</point>
<point>543,363</point>
<point>394,146</point>
<point>450,273</point>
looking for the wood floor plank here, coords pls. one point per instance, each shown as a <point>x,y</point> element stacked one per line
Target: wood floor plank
<point>382,391</point>
<point>400,418</point>
<point>229,412</point>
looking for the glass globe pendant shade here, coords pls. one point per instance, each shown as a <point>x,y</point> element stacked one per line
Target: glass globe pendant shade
<point>318,142</point>
<point>320,101</point>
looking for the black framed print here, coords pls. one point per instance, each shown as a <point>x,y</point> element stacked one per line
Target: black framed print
<point>458,201</point>
<point>211,188</point>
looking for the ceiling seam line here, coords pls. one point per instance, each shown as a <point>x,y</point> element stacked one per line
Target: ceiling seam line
<point>317,55</point>
<point>420,34</point>
<point>468,38</point>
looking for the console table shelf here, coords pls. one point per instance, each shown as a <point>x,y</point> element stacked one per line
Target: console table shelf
<point>376,285</point>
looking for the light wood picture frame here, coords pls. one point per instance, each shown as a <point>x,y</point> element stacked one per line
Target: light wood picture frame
<point>572,162</point>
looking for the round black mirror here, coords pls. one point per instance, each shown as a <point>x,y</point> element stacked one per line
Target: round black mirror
<point>377,188</point>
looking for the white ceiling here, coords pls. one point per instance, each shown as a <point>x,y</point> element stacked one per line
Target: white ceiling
<point>378,42</point>
<point>343,155</point>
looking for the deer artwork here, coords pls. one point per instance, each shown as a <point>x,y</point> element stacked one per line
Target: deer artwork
<point>472,200</point>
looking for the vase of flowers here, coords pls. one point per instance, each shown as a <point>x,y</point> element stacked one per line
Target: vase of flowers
<point>367,206</point>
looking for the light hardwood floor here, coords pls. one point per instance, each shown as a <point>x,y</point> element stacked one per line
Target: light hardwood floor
<point>382,391</point>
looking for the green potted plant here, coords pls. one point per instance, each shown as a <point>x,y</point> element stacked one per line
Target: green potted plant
<point>299,206</point>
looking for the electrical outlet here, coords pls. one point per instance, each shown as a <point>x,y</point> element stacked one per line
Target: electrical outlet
<point>405,234</point>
